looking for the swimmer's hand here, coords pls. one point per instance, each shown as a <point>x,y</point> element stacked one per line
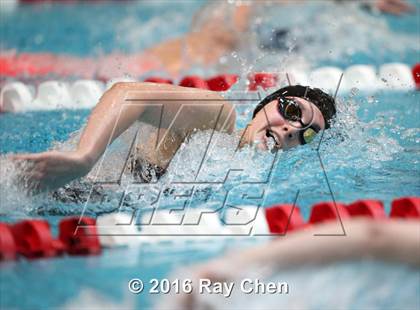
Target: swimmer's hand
<point>395,7</point>
<point>50,170</point>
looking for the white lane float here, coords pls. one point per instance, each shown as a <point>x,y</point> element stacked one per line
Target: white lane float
<point>396,76</point>
<point>298,77</point>
<point>203,223</point>
<point>245,221</point>
<point>182,225</point>
<point>86,93</point>
<point>179,226</point>
<point>362,77</point>
<point>160,225</point>
<point>15,97</point>
<point>52,95</point>
<point>325,78</point>
<point>117,229</point>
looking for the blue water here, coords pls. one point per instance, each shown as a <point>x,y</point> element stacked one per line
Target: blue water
<point>74,28</point>
<point>372,152</point>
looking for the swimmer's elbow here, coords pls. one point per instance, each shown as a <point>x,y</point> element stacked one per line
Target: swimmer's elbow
<point>119,86</point>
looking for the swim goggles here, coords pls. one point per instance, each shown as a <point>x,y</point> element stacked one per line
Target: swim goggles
<point>291,111</point>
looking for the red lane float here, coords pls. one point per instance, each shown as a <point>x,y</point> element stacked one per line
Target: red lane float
<point>370,208</point>
<point>33,239</point>
<point>79,236</point>
<point>262,79</point>
<point>222,82</point>
<point>416,75</point>
<point>406,207</point>
<point>194,81</point>
<point>54,65</point>
<point>284,218</point>
<point>327,211</point>
<point>60,1</point>
<point>26,64</point>
<point>7,243</point>
<point>33,65</point>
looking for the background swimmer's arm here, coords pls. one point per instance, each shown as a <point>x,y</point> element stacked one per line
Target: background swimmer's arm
<point>393,240</point>
<point>216,30</point>
<point>395,7</point>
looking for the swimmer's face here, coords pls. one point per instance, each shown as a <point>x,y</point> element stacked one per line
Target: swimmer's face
<point>270,127</point>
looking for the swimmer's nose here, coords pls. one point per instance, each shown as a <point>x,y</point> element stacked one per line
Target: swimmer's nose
<point>286,134</point>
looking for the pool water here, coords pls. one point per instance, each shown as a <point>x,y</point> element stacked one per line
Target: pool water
<point>371,152</point>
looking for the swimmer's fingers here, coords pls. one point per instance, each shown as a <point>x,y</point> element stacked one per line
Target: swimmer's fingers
<point>33,184</point>
<point>52,169</point>
<point>30,172</point>
<point>29,180</point>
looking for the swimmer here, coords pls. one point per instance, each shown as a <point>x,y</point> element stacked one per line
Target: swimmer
<point>286,121</point>
<point>365,239</point>
<point>218,28</point>
<point>287,118</point>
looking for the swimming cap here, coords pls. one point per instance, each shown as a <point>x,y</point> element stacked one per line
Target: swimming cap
<point>322,100</point>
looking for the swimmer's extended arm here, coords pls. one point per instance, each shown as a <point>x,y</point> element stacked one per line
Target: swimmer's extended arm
<point>216,30</point>
<point>393,241</point>
<point>395,7</point>
<point>178,109</point>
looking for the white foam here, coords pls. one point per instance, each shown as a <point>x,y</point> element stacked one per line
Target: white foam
<point>15,97</point>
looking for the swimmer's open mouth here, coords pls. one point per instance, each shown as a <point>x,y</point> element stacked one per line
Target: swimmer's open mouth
<point>270,140</point>
<point>267,141</point>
